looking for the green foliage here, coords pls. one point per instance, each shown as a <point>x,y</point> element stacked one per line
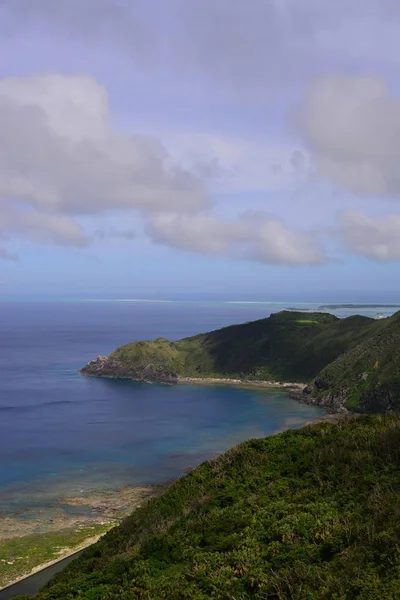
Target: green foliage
<point>370,371</point>
<point>309,514</point>
<point>286,346</point>
<point>19,555</point>
<point>357,358</point>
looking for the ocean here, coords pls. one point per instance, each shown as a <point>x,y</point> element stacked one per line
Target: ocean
<point>62,434</point>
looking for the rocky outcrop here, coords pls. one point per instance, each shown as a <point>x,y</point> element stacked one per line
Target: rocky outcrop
<point>104,366</point>
<point>334,402</point>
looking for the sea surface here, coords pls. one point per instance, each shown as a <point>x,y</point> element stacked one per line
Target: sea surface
<point>64,434</point>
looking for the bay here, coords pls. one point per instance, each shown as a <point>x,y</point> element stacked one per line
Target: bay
<point>64,434</point>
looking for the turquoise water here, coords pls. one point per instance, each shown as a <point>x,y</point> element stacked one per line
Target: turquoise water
<point>63,434</point>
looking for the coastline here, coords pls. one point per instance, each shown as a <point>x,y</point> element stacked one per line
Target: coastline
<point>19,555</point>
<point>97,499</point>
<point>284,385</point>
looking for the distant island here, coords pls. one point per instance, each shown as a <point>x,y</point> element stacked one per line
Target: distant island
<point>350,364</point>
<point>356,306</point>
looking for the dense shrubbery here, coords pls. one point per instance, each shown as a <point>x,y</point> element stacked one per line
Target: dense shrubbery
<point>307,514</point>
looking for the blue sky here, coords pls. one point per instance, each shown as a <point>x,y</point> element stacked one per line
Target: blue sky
<point>205,148</point>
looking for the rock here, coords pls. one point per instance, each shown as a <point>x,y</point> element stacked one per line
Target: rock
<point>320,384</point>
<point>107,367</point>
<point>333,402</point>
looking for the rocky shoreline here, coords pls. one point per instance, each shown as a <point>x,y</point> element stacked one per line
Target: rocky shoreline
<point>109,368</point>
<point>101,507</point>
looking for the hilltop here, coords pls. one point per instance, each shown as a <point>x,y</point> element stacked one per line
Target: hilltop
<point>351,363</point>
<point>309,514</point>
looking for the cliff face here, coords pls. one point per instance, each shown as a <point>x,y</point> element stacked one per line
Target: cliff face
<point>104,366</point>
<point>333,402</point>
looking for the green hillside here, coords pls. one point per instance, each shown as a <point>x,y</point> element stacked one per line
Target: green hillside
<point>351,363</point>
<point>291,346</point>
<point>310,514</point>
<point>369,373</point>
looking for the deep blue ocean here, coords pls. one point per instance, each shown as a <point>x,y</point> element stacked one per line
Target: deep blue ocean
<point>61,433</point>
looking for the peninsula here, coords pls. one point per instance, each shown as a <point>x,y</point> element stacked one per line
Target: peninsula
<point>350,364</point>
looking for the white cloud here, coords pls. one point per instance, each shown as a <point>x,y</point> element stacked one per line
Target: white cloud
<point>60,158</point>
<point>377,238</point>
<point>352,126</point>
<point>58,152</point>
<point>254,236</point>
<point>40,227</point>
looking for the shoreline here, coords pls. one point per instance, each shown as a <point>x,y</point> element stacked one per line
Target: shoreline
<point>155,489</point>
<point>284,385</point>
<point>109,508</point>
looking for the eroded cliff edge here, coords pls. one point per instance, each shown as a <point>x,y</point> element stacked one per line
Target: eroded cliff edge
<point>110,368</point>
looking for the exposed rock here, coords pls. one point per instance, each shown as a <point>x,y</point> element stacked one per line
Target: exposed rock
<point>104,366</point>
<point>334,402</point>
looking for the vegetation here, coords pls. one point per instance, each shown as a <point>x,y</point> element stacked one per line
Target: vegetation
<point>309,514</point>
<point>369,373</point>
<point>352,362</point>
<point>287,346</point>
<point>19,555</point>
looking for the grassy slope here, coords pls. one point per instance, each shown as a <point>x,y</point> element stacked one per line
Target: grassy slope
<point>370,371</point>
<point>307,514</point>
<point>287,346</point>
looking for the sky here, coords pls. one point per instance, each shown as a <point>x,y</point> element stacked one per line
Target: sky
<point>200,148</point>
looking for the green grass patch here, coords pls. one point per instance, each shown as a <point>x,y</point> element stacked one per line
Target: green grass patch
<point>306,322</point>
<point>19,555</point>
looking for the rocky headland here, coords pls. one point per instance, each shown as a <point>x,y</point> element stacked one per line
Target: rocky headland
<point>350,364</point>
<point>111,368</point>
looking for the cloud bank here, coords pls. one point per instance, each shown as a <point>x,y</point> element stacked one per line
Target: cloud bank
<point>352,127</point>
<point>61,160</point>
<point>253,236</point>
<point>376,238</point>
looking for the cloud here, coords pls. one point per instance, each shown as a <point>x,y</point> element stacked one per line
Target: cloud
<point>254,236</point>
<point>61,159</point>
<point>220,46</point>
<point>59,152</point>
<point>30,224</point>
<point>351,124</point>
<point>377,238</point>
